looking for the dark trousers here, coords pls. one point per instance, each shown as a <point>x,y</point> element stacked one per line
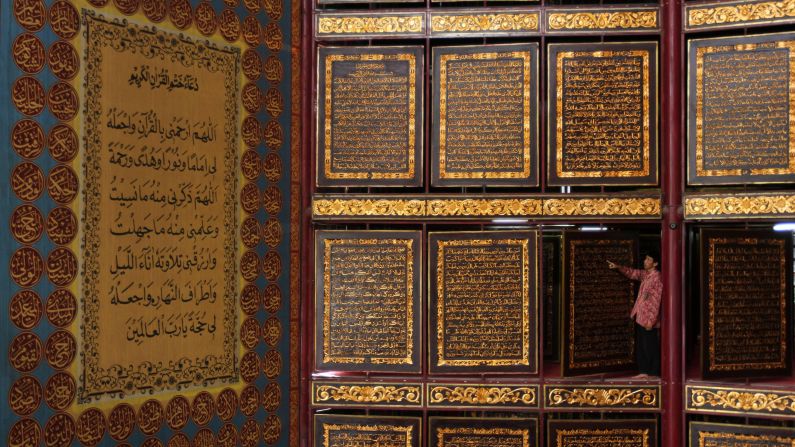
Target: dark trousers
<point>647,350</point>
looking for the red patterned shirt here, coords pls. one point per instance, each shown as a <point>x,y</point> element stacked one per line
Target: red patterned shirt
<point>646,310</point>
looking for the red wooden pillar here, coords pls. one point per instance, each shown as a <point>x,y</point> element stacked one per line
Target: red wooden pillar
<point>673,429</point>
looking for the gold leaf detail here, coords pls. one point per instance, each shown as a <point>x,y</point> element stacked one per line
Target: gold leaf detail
<point>484,207</point>
<point>368,207</point>
<point>603,20</point>
<point>368,393</point>
<point>602,397</point>
<point>740,205</point>
<point>483,395</point>
<point>370,25</point>
<point>484,22</point>
<point>742,400</point>
<point>605,207</point>
<point>748,12</point>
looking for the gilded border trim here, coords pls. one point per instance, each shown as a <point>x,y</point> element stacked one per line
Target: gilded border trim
<point>737,14</point>
<point>491,24</point>
<point>364,24</point>
<point>356,394</point>
<point>439,207</point>
<point>482,395</point>
<point>708,399</point>
<point>739,206</point>
<point>605,20</point>
<point>602,397</point>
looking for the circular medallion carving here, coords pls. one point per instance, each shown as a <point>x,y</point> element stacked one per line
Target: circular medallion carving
<point>26,266</point>
<point>25,309</point>
<point>249,198</point>
<point>63,60</point>
<point>249,333</point>
<point>62,142</point>
<point>61,349</point>
<point>150,417</point>
<point>272,232</point>
<point>251,96</point>
<point>272,266</point>
<point>251,31</point>
<point>227,436</point>
<point>121,422</point>
<point>59,392</point>
<point>252,5</point>
<point>249,367</point>
<point>272,364</point>
<point>273,69</point>
<point>27,224</point>
<point>272,167</point>
<point>28,53</point>
<point>271,397</point>
<point>27,181</point>
<point>229,25</point>
<point>25,395</point>
<point>204,438</point>
<point>249,232</point>
<point>272,298</point>
<point>249,400</point>
<point>180,13</point>
<point>25,432</point>
<point>152,442</point>
<point>64,19</point>
<point>203,408</point>
<point>127,7</point>
<point>272,199</point>
<point>61,308</point>
<point>91,427</point>
<point>249,164</point>
<point>179,440</point>
<point>28,96</point>
<point>61,266</point>
<point>249,434</point>
<point>63,101</point>
<point>178,412</point>
<point>62,184</point>
<point>154,10</point>
<point>273,37</point>
<point>274,137</point>
<point>252,64</point>
<point>226,404</point>
<point>206,21</point>
<point>272,331</point>
<point>249,266</point>
<point>249,299</point>
<point>251,131</point>
<point>30,14</point>
<point>271,429</point>
<point>274,8</point>
<point>24,352</point>
<point>273,102</point>
<point>27,138</point>
<point>59,431</point>
<point>62,225</point>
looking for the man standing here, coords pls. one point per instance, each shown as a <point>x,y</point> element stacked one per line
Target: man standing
<point>646,313</point>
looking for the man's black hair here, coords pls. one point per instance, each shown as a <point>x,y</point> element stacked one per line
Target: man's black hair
<point>654,254</point>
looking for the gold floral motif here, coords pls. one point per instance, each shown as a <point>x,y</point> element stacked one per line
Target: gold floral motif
<point>645,207</point>
<point>369,207</point>
<point>740,205</point>
<point>450,23</point>
<point>558,21</point>
<point>370,24</point>
<point>409,394</point>
<point>741,400</point>
<point>602,397</point>
<point>738,13</point>
<point>484,207</point>
<point>482,395</point>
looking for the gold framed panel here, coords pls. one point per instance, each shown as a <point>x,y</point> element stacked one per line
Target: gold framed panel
<point>397,431</point>
<point>367,394</point>
<point>482,396</point>
<point>722,15</point>
<point>739,205</point>
<point>704,434</point>
<point>638,432</point>
<point>602,397</point>
<point>361,24</point>
<point>742,401</point>
<point>486,22</point>
<point>589,20</point>
<point>646,173</point>
<point>482,432</point>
